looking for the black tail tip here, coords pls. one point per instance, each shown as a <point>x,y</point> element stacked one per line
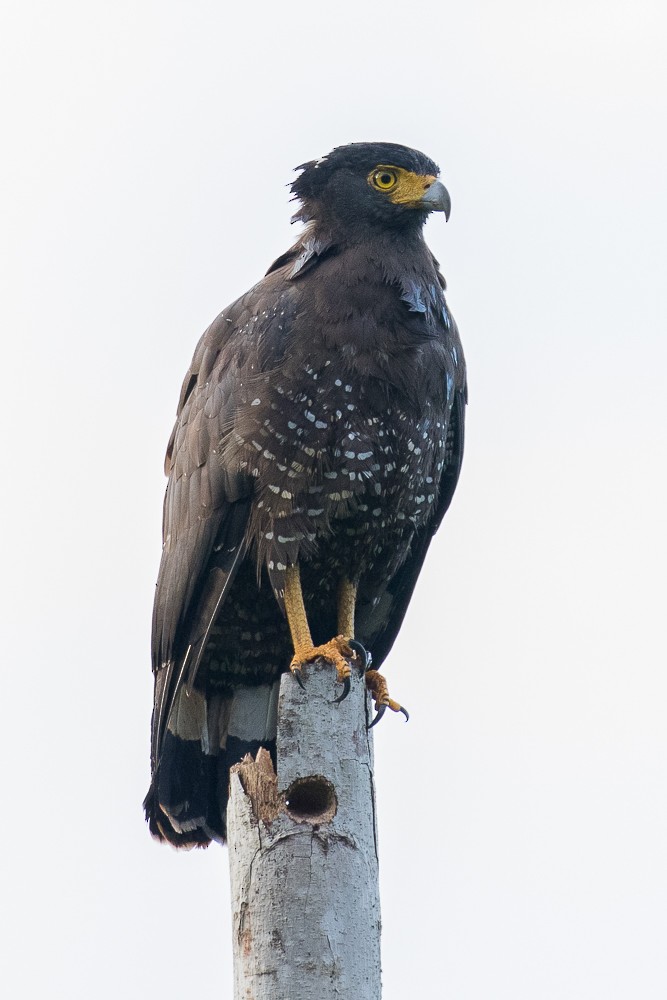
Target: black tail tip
<point>162,827</point>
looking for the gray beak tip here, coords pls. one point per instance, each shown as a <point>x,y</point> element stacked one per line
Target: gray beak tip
<point>437,199</point>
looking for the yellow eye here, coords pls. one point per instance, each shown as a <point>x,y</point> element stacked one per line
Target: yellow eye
<point>384,179</point>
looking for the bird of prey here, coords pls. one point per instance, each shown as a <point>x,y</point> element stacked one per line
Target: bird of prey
<point>317,446</point>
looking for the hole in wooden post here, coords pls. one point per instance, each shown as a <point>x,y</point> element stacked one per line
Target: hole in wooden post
<point>311,800</point>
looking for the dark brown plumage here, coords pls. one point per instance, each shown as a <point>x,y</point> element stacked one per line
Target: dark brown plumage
<point>320,426</point>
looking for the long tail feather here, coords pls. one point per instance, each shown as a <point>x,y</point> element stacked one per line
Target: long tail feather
<point>204,737</point>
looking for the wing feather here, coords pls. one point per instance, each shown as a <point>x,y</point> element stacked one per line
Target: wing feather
<point>204,519</point>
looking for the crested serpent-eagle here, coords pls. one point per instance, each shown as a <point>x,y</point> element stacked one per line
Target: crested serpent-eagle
<point>317,446</point>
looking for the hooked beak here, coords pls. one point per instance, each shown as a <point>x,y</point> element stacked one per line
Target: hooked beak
<point>437,199</point>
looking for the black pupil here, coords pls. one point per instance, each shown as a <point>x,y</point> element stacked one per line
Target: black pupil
<point>386,179</point>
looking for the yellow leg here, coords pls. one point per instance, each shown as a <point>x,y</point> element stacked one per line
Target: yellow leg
<point>337,650</point>
<point>296,612</point>
<point>347,599</point>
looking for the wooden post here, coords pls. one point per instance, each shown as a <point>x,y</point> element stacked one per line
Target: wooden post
<point>303,851</point>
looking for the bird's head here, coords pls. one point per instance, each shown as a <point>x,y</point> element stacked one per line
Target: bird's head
<point>370,185</point>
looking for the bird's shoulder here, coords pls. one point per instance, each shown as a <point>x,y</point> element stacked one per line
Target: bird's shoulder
<point>247,337</point>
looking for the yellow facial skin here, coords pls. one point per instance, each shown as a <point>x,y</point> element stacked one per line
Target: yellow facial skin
<point>402,187</point>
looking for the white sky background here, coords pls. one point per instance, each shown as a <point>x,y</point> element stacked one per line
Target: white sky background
<point>147,146</point>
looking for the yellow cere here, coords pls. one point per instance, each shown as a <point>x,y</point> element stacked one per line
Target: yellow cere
<point>403,187</point>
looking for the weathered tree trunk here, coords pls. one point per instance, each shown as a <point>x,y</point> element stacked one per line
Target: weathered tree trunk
<point>303,852</point>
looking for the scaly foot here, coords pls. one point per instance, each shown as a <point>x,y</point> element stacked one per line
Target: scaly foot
<point>337,651</point>
<point>377,685</point>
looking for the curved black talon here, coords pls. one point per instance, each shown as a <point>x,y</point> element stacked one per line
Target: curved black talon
<point>363,655</point>
<point>382,709</point>
<point>346,691</point>
<point>380,712</point>
<point>297,674</point>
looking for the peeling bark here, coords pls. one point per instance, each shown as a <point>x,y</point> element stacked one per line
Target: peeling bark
<point>303,852</point>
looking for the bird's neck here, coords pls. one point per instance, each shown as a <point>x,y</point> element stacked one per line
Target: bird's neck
<point>374,270</point>
<point>376,240</point>
<point>374,305</point>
